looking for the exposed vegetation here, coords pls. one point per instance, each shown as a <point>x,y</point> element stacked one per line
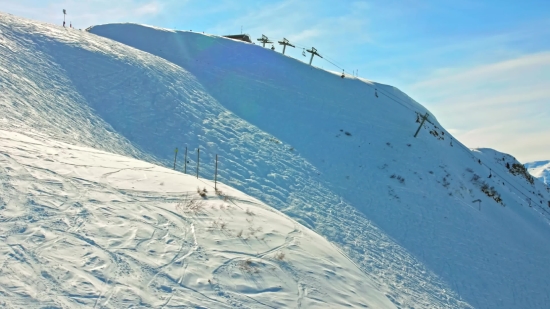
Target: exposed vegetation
<point>519,169</point>
<point>399,178</point>
<point>488,190</point>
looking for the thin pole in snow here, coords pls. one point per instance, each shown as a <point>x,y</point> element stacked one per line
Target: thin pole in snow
<point>216,175</point>
<point>478,201</point>
<point>198,160</point>
<point>175,158</point>
<point>185,162</point>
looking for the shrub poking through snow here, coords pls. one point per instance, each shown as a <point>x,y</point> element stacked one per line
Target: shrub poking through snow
<point>202,192</point>
<point>280,255</point>
<point>491,192</point>
<point>249,267</point>
<point>190,205</point>
<point>485,188</point>
<point>399,178</point>
<point>519,169</point>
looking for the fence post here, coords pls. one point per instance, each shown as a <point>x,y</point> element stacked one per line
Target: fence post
<point>185,162</point>
<point>198,160</point>
<point>175,158</point>
<point>216,175</point>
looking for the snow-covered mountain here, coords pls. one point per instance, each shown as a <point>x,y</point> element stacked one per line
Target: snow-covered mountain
<point>429,222</point>
<point>540,169</point>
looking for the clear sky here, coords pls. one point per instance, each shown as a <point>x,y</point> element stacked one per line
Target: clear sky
<point>482,67</point>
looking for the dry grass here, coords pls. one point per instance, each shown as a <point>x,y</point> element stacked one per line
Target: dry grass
<point>249,267</point>
<point>280,255</point>
<point>202,192</point>
<point>190,205</point>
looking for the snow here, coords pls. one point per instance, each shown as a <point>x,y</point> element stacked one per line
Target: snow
<point>323,150</point>
<point>541,170</point>
<point>84,228</point>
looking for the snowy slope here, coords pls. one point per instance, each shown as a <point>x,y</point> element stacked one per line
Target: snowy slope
<point>419,191</point>
<point>83,228</point>
<point>145,106</point>
<point>37,95</point>
<point>322,149</point>
<point>540,169</point>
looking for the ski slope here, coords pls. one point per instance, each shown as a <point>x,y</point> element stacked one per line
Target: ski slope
<point>84,228</point>
<point>359,137</point>
<point>336,155</point>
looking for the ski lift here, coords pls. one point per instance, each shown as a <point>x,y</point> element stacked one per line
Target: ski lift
<point>375,93</point>
<point>490,173</point>
<point>304,52</point>
<point>343,75</point>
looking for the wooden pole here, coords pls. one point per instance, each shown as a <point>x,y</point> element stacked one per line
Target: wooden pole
<point>175,158</point>
<point>198,160</point>
<point>185,162</point>
<point>421,123</point>
<point>216,175</point>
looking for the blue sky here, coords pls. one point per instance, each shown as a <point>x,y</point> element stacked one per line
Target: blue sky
<point>482,67</point>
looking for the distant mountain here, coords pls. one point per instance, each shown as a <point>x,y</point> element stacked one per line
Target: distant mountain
<point>540,169</point>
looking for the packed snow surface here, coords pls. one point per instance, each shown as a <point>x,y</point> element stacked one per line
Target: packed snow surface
<point>430,222</point>
<point>358,136</point>
<point>83,228</point>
